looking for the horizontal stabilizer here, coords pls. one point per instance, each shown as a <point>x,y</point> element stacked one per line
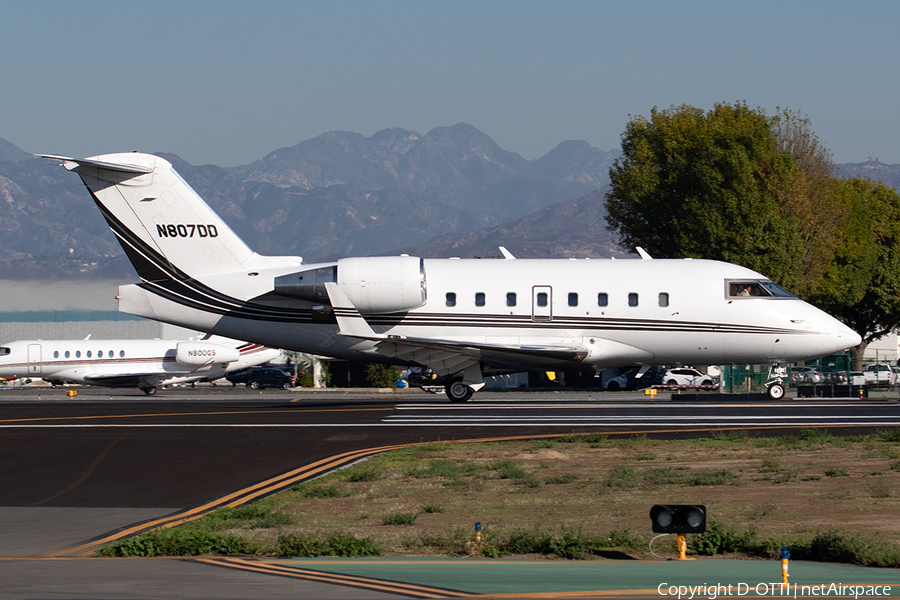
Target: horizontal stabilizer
<point>71,163</point>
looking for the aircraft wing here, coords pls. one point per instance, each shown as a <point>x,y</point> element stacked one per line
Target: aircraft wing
<point>447,357</point>
<point>131,379</point>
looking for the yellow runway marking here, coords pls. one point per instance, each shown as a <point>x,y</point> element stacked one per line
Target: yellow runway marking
<point>419,591</point>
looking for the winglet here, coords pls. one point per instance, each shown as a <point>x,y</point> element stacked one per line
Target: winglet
<point>349,320</point>
<point>644,254</point>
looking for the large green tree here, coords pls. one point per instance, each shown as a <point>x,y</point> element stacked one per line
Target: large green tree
<point>861,286</point>
<point>711,184</point>
<point>733,184</point>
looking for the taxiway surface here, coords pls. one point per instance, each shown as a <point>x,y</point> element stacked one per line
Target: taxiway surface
<point>77,471</point>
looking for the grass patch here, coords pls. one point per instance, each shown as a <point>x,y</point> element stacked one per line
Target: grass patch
<point>562,479</point>
<point>507,469</point>
<point>183,541</point>
<point>335,545</point>
<point>438,491</point>
<point>400,519</point>
<point>363,473</point>
<point>621,476</point>
<point>320,491</point>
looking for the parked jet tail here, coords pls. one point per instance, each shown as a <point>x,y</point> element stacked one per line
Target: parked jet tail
<point>164,226</point>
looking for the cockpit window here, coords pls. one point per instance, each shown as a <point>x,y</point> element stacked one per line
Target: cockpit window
<point>775,289</point>
<point>759,288</point>
<point>4,351</point>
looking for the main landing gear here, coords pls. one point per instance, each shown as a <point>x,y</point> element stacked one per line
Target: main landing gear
<point>457,391</point>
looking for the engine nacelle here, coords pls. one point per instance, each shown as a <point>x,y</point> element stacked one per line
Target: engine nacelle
<point>374,284</point>
<point>205,353</point>
<point>383,284</point>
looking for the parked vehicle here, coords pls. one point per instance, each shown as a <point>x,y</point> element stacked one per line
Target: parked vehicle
<point>833,377</point>
<point>806,374</point>
<point>263,377</point>
<point>688,377</point>
<point>879,375</point>
<point>627,380</point>
<point>620,381</point>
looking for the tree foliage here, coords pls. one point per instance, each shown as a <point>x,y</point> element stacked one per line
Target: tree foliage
<point>813,197</point>
<point>733,184</point>
<point>861,286</point>
<point>710,185</point>
<point>383,376</point>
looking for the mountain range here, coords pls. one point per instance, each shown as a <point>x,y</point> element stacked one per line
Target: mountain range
<point>451,192</point>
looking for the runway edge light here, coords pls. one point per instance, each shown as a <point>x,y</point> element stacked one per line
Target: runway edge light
<point>678,518</point>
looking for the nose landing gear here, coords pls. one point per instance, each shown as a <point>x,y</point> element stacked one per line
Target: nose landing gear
<point>775,382</point>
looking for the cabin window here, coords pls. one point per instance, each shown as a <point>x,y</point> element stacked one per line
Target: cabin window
<point>663,299</point>
<point>542,299</point>
<point>78,354</point>
<point>110,354</point>
<point>88,354</point>
<point>479,298</point>
<point>99,353</point>
<point>4,351</point>
<point>67,354</point>
<point>602,299</point>
<point>121,354</point>
<point>451,298</point>
<point>632,299</point>
<point>573,299</point>
<point>511,299</point>
<point>56,354</point>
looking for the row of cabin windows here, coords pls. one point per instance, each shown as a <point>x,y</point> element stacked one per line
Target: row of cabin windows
<point>100,354</point>
<point>542,299</point>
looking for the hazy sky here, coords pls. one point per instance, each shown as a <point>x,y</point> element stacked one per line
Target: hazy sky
<point>227,82</point>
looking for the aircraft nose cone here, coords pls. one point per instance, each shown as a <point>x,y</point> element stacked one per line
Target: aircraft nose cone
<point>846,337</point>
<point>837,338</point>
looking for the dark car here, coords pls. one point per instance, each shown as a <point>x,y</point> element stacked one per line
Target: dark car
<point>262,377</point>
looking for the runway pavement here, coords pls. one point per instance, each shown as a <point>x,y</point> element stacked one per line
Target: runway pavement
<point>75,472</point>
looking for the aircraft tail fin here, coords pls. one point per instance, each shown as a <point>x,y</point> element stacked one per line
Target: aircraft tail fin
<point>166,229</point>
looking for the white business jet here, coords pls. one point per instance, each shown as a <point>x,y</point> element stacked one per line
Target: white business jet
<point>459,319</point>
<point>144,364</point>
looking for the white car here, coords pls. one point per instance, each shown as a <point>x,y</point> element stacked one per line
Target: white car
<point>620,382</point>
<point>688,377</point>
<point>880,374</point>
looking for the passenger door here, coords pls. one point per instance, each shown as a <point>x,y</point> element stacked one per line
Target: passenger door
<point>542,303</point>
<point>34,359</point>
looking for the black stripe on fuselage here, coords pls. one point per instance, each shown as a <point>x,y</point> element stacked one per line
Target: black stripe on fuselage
<point>167,281</point>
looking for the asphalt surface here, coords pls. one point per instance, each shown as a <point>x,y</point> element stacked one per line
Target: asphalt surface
<point>75,472</point>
